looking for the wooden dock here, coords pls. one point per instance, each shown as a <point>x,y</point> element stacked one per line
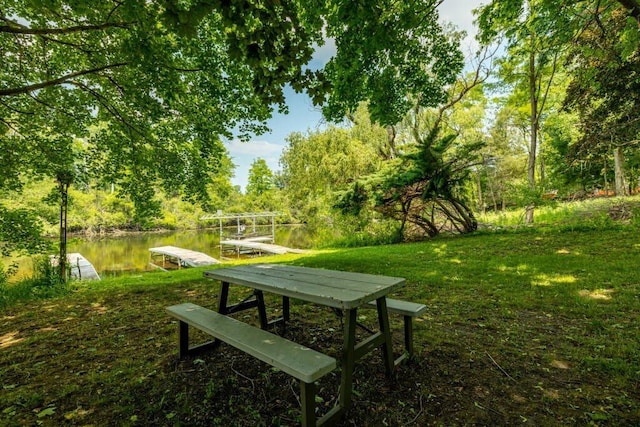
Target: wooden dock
<point>181,257</point>
<point>259,246</point>
<point>79,267</point>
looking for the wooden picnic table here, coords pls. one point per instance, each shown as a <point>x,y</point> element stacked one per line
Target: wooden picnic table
<point>341,290</point>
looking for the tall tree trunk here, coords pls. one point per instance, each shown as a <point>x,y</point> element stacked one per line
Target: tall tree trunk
<point>543,171</point>
<point>621,184</point>
<point>605,171</point>
<point>63,187</point>
<point>481,207</point>
<point>533,142</point>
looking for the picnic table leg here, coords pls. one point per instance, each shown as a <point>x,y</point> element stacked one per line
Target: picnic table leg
<point>285,308</point>
<point>348,358</point>
<point>385,330</point>
<point>262,311</point>
<point>408,335</point>
<point>183,339</point>
<point>308,401</point>
<point>222,300</point>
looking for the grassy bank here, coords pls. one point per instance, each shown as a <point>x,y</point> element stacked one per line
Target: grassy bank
<point>522,328</point>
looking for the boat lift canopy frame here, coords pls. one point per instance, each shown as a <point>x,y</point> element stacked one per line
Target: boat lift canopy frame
<point>244,216</point>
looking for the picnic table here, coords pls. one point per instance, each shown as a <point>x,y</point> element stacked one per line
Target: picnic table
<point>345,291</point>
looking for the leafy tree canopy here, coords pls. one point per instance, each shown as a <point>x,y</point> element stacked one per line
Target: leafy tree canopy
<point>558,20</point>
<point>161,81</point>
<point>389,53</point>
<point>605,89</point>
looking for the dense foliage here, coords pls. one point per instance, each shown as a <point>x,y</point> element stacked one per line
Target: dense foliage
<point>605,89</point>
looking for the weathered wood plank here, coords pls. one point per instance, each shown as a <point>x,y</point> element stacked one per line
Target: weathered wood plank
<point>404,308</point>
<point>338,298</point>
<point>323,274</point>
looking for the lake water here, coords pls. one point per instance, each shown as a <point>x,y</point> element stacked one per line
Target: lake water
<point>129,252</point>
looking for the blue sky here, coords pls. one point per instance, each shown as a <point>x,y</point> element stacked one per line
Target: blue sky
<point>303,116</point>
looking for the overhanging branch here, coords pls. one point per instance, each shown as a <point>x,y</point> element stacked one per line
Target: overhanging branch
<point>13,27</point>
<point>64,79</point>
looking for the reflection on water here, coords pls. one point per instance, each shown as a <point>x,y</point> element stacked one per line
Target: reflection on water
<point>127,253</point>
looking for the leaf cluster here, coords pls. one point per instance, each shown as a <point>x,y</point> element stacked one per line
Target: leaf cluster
<point>388,52</point>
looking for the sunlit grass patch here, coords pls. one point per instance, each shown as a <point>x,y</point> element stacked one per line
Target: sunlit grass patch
<point>521,268</point>
<point>579,215</point>
<point>550,280</point>
<point>597,294</point>
<point>9,339</point>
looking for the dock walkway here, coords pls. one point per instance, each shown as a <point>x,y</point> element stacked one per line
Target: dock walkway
<point>182,257</point>
<point>260,247</point>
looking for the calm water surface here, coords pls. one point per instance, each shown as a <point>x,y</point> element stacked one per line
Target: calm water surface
<point>113,255</point>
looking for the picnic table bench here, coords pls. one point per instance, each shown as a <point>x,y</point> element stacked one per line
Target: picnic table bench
<point>300,362</point>
<point>408,310</point>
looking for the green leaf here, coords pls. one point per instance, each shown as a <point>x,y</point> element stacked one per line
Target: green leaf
<point>11,410</point>
<point>47,412</point>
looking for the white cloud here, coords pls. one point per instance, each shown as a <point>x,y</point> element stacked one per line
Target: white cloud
<point>257,148</point>
<point>459,12</point>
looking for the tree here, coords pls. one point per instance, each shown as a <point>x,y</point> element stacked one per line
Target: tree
<point>152,86</point>
<point>424,187</point>
<point>187,72</point>
<point>534,57</point>
<point>260,179</point>
<point>407,57</point>
<point>604,92</point>
<point>318,164</point>
<point>20,232</point>
<point>161,82</point>
<point>565,23</point>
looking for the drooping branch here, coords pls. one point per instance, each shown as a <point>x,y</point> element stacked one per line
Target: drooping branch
<point>60,80</point>
<point>110,108</point>
<point>14,109</point>
<point>10,126</point>
<point>13,27</point>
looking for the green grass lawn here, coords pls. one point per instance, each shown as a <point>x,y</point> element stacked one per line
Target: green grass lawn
<point>525,327</point>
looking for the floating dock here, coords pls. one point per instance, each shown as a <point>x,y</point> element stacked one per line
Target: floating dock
<point>180,257</point>
<point>259,246</point>
<point>79,267</point>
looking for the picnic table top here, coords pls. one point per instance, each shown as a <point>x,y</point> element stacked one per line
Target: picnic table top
<point>339,289</point>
